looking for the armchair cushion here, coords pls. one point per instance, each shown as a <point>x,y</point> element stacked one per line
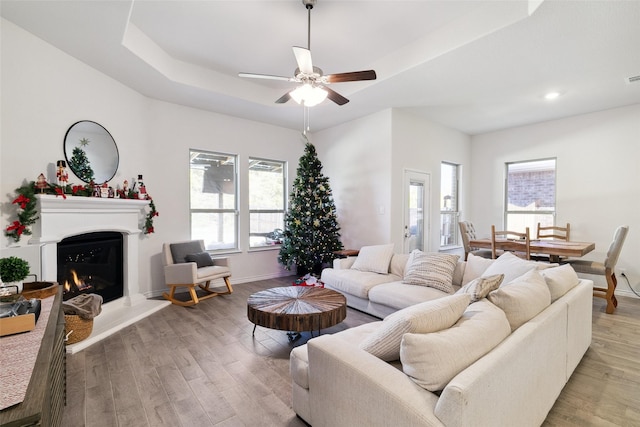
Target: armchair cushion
<point>179,251</point>
<point>202,259</point>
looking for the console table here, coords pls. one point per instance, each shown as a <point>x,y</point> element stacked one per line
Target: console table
<point>46,393</point>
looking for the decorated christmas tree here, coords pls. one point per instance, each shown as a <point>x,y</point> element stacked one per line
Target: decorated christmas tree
<point>311,232</point>
<point>79,163</point>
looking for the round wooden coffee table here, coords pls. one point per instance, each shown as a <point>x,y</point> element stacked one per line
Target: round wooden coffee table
<point>296,309</point>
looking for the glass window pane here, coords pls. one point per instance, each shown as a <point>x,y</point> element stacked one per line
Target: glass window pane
<point>531,186</point>
<point>267,201</point>
<point>213,199</point>
<point>448,204</point>
<point>218,230</point>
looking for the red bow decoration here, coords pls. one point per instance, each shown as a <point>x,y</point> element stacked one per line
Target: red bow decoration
<point>59,192</point>
<point>22,200</point>
<point>77,188</point>
<point>17,226</point>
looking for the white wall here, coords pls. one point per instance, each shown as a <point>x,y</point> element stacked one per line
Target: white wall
<point>365,160</point>
<point>44,91</point>
<point>598,177</point>
<point>356,156</point>
<point>422,145</point>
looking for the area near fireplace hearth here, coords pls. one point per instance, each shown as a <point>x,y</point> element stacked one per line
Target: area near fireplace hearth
<point>91,245</point>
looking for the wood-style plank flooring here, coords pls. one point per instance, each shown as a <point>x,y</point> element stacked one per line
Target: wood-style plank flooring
<point>200,366</point>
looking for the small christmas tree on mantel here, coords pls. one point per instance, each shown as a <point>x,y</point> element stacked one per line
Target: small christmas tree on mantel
<point>311,232</point>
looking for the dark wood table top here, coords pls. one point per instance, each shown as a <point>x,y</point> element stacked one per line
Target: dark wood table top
<point>297,308</point>
<point>558,248</point>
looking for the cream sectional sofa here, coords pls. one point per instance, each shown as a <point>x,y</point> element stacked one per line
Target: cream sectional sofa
<point>480,371</point>
<point>377,293</point>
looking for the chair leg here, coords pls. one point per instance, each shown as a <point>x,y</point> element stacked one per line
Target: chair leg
<point>612,301</point>
<point>171,296</point>
<point>211,293</point>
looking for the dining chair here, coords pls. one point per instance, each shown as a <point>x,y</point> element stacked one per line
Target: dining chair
<point>605,269</point>
<point>468,233</point>
<point>512,241</point>
<point>554,232</point>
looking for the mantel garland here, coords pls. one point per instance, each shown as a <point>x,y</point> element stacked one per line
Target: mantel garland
<point>27,202</point>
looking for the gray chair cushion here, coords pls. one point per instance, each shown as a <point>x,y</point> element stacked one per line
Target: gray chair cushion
<point>179,251</point>
<point>202,259</point>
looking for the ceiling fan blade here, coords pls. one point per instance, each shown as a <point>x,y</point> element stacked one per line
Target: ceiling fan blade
<point>266,76</point>
<point>350,77</point>
<point>335,96</point>
<point>303,58</point>
<point>284,98</point>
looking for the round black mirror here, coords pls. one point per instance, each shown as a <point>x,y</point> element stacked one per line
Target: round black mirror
<point>91,152</point>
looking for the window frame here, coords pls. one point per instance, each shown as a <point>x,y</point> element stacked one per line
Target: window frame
<point>454,213</point>
<point>541,213</point>
<point>285,198</point>
<point>221,211</point>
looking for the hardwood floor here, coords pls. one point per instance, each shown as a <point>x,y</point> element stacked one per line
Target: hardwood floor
<point>200,366</point>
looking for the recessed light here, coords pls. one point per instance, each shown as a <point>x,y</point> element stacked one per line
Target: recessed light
<point>551,95</point>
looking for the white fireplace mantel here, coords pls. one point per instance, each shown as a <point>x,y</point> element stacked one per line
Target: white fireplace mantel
<point>61,218</point>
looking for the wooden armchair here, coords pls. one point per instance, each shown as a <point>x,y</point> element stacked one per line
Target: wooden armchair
<point>187,264</point>
<point>512,241</point>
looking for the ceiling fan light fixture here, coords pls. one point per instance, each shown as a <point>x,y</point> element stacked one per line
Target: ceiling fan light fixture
<point>308,95</point>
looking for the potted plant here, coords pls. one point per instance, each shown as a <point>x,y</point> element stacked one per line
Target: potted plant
<point>13,271</point>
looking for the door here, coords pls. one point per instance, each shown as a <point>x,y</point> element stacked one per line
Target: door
<point>416,210</point>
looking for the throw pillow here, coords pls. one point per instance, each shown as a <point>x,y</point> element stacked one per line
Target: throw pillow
<point>479,288</point>
<point>560,280</point>
<point>431,269</point>
<point>476,266</point>
<point>374,258</point>
<point>429,316</point>
<point>523,298</point>
<point>179,251</point>
<point>432,360</point>
<point>510,265</point>
<point>202,259</point>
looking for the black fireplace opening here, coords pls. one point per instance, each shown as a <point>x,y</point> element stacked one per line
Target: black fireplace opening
<point>92,263</point>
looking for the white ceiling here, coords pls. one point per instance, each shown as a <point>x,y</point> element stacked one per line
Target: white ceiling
<point>476,65</point>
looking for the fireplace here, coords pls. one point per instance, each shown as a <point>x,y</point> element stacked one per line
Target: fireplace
<point>91,263</point>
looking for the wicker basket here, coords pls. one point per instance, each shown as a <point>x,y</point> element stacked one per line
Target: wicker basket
<point>77,328</point>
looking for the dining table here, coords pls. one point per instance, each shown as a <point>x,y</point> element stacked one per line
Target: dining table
<point>554,248</point>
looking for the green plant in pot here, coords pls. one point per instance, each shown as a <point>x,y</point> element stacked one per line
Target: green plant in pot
<point>13,271</point>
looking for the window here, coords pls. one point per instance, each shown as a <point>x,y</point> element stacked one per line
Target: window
<point>267,200</point>
<point>214,200</point>
<point>448,204</point>
<point>530,194</point>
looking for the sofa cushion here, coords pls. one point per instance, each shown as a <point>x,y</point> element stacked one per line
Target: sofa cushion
<point>299,358</point>
<point>480,287</point>
<point>431,269</point>
<point>354,282</point>
<point>560,280</point>
<point>432,360</point>
<point>202,259</point>
<point>523,298</point>
<point>179,251</point>
<point>476,266</point>
<point>375,259</point>
<point>399,295</point>
<point>510,265</point>
<point>428,316</point>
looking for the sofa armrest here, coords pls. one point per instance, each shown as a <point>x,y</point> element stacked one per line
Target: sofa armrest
<point>349,386</point>
<point>183,273</point>
<point>343,263</point>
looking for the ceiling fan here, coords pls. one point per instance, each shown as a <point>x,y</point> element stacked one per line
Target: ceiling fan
<point>313,90</point>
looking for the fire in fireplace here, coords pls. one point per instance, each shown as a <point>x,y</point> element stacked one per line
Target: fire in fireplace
<point>92,263</point>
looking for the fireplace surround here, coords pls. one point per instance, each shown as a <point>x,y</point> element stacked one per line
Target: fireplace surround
<point>74,216</point>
